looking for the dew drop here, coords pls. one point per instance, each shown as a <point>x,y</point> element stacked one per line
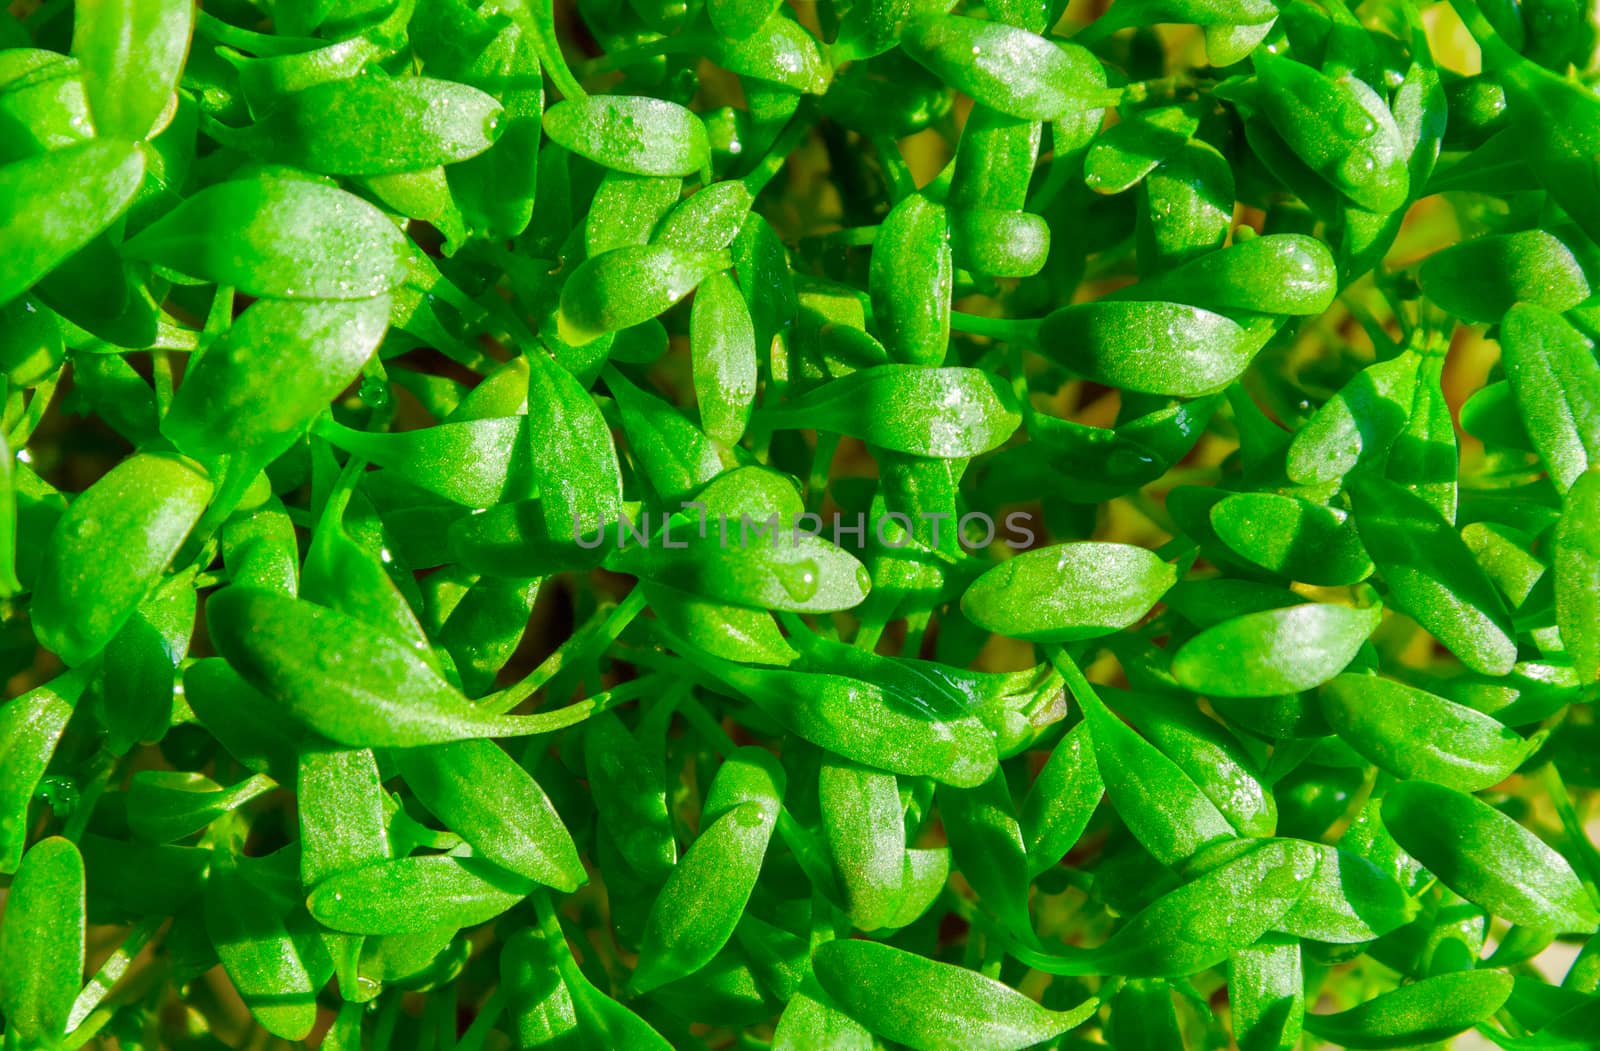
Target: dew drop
<point>375,392</point>
<point>799,580</point>
<point>1357,124</point>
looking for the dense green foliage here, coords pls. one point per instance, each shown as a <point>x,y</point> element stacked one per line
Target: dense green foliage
<point>861,524</point>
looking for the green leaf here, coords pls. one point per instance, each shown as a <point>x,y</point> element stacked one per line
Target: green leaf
<point>1069,591</point>
<point>1200,924</point>
<point>987,846</point>
<point>415,894</point>
<point>633,134</point>
<point>695,914</point>
<point>1143,1017</point>
<point>1266,995</point>
<point>1060,803</point>
<point>1482,279</point>
<point>168,805</point>
<point>372,125</point>
<point>132,53</point>
<point>778,51</point>
<point>475,463</point>
<point>135,697</point>
<point>1358,424</point>
<point>30,730</point>
<point>244,722</point>
<point>1273,274</point>
<point>1414,734</point>
<point>737,19</point>
<point>795,572</point>
<point>1435,1008</point>
<point>1338,126</point>
<point>349,683</point>
<point>630,285</point>
<point>1130,150</point>
<point>1348,901</point>
<point>1488,858</point>
<point>340,798</point>
<point>483,795</point>
<point>42,942</point>
<point>1152,348</point>
<point>1553,124</point>
<point>884,725</point>
<point>1555,380</point>
<point>1577,570</point>
<point>1209,754</point>
<point>143,510</point>
<point>1185,206</point>
<point>911,280</point>
<point>811,1019</point>
<point>252,939</point>
<point>629,789</point>
<point>1007,69</point>
<point>944,413</point>
<point>287,238</point>
<point>626,209</point>
<point>674,455</point>
<point>1274,651</point>
<point>722,342</point>
<point>709,220</point>
<point>272,374</point>
<point>865,828</point>
<point>53,204</point>
<point>934,1006</point>
<point>1432,576</point>
<point>1424,457</point>
<point>538,1001</point>
<point>1293,537</point>
<point>1164,809</point>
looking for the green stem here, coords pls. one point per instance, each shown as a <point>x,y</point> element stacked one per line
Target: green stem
<point>787,142</point>
<point>1572,825</point>
<point>349,476</point>
<point>613,61</point>
<point>901,182</point>
<point>585,644</point>
<point>868,634</point>
<point>101,768</point>
<point>849,237</point>
<point>388,1018</point>
<point>916,628</point>
<point>631,690</point>
<point>1058,178</point>
<point>1019,381</point>
<point>108,975</point>
<point>43,394</point>
<point>477,1033</point>
<point>701,721</point>
<point>1077,682</point>
<point>811,856</point>
<point>161,373</point>
<point>1013,330</point>
<point>87,1028</point>
<point>1497,54</point>
<point>539,17</point>
<point>821,464</point>
<point>442,1006</point>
